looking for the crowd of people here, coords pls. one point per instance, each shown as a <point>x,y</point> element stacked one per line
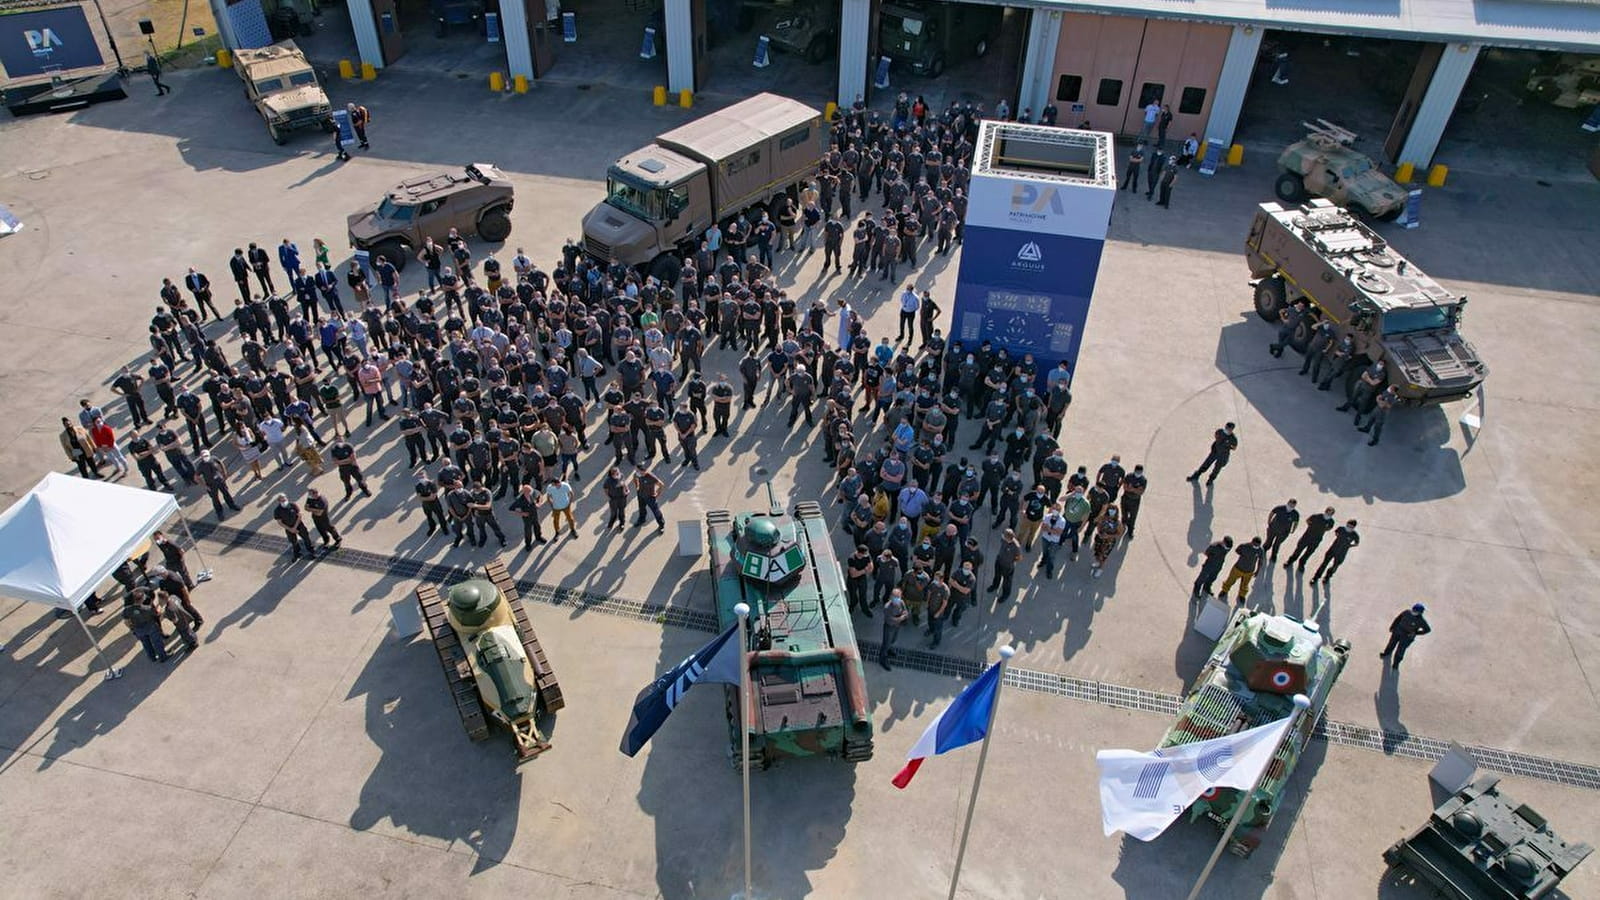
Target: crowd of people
<point>494,377</point>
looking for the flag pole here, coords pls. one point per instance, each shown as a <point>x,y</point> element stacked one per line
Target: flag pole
<point>977,778</point>
<point>742,610</point>
<point>1301,704</point>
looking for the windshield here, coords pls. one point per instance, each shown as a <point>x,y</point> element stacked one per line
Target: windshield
<point>634,198</point>
<point>395,212</point>
<point>268,85</point>
<point>1403,321</point>
<point>911,26</point>
<point>298,78</point>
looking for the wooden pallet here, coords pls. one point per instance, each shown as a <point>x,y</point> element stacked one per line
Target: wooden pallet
<point>458,675</point>
<point>544,677</point>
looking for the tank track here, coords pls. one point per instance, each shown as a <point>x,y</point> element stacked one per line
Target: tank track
<point>458,676</point>
<point>544,677</point>
<point>852,751</point>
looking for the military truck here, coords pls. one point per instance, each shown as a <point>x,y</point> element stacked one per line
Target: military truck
<point>807,28</point>
<point>1324,164</point>
<point>494,665</point>
<point>808,688</point>
<point>735,162</point>
<point>1350,276</point>
<point>925,36</point>
<point>1482,845</point>
<point>475,201</point>
<point>1258,665</point>
<point>1568,80</point>
<point>284,88</point>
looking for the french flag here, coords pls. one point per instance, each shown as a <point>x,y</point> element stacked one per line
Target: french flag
<point>963,722</point>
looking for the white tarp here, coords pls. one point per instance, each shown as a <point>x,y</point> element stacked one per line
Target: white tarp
<point>66,535</point>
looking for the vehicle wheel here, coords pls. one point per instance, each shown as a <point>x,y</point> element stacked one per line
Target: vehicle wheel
<point>1302,335</point>
<point>1269,298</point>
<point>936,68</point>
<point>1391,215</point>
<point>494,225</point>
<point>328,126</point>
<point>394,251</point>
<point>1290,188</point>
<point>817,50</point>
<point>1546,91</point>
<point>981,49</point>
<point>667,268</point>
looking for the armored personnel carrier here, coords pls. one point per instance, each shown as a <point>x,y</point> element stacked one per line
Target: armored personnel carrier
<point>1351,277</point>
<point>280,82</point>
<point>1482,845</point>
<point>493,665</point>
<point>1324,164</point>
<point>808,689</point>
<point>1259,664</point>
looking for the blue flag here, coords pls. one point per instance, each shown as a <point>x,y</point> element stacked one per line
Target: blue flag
<point>716,662</point>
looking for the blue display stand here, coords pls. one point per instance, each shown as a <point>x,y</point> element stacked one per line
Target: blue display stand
<point>1213,158</point>
<point>647,50</point>
<point>763,52</point>
<point>569,27</point>
<point>491,27</point>
<point>881,80</point>
<point>1411,217</point>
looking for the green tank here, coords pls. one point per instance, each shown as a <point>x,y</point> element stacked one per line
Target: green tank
<point>808,687</point>
<point>1259,664</point>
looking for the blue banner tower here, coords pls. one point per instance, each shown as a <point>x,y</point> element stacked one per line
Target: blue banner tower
<point>1038,208</point>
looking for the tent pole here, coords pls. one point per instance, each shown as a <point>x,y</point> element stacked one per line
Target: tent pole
<point>111,671</point>
<point>204,574</point>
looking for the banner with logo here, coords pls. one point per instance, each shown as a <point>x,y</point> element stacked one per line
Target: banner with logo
<point>1029,259</point>
<point>42,41</point>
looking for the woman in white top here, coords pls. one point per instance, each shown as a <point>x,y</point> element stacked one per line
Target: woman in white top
<point>244,440</point>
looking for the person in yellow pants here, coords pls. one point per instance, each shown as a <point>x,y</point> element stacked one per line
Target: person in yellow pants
<point>1246,562</point>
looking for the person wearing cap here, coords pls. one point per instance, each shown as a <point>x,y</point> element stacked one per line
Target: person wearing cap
<point>1406,627</point>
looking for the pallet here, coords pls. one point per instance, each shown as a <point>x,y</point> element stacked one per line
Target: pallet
<point>544,677</point>
<point>458,675</point>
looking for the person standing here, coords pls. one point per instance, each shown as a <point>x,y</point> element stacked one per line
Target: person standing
<point>1005,566</point>
<point>1052,528</point>
<point>1130,175</point>
<point>152,67</point>
<point>128,385</point>
<point>344,456</point>
<point>427,491</point>
<point>858,580</point>
<point>239,268</point>
<point>1317,524</point>
<point>1223,442</point>
<point>214,475</point>
<point>1344,537</point>
<point>526,507</point>
<point>483,520</point>
<point>145,623</point>
<point>359,120</point>
<point>1215,555</point>
<point>261,264</point>
<point>909,304</point>
<point>1281,523</point>
<point>287,513</point>
<point>339,152</point>
<point>1406,627</point>
<point>558,493</point>
<point>722,404</point>
<point>937,597</point>
<point>1133,488</point>
<point>172,557</point>
<point>79,447</point>
<point>144,456</point>
<point>105,445</point>
<point>1107,531</point>
<point>616,490</point>
<point>895,615</point>
<point>647,487</point>
<point>1152,115</point>
<point>1169,176</point>
<point>317,506</point>
<point>458,501</point>
<point>1246,563</point>
<point>1386,401</point>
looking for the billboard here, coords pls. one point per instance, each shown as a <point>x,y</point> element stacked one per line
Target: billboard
<point>43,41</point>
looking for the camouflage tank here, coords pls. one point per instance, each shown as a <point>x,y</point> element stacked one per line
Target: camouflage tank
<point>1324,164</point>
<point>808,688</point>
<point>1259,664</point>
<point>493,663</point>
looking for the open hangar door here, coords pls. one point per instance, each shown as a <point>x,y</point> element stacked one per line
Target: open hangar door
<point>611,45</point>
<point>451,34</point>
<point>802,54</point>
<point>1524,112</point>
<point>949,53</point>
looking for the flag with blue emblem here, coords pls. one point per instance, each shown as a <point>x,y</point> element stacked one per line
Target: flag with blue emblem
<point>716,662</point>
<point>1142,793</point>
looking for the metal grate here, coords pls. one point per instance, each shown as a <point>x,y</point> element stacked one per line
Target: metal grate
<point>1101,693</point>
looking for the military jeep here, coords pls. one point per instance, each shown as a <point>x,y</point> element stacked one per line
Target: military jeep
<point>476,200</point>
<point>281,84</point>
<point>1325,165</point>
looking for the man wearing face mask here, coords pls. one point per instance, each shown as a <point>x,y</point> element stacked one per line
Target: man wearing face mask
<point>1111,476</point>
<point>1132,495</point>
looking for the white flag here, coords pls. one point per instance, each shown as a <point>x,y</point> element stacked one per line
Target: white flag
<point>1142,793</point>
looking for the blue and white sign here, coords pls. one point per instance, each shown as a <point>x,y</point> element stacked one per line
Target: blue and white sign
<point>1213,158</point>
<point>647,49</point>
<point>341,121</point>
<point>569,27</point>
<point>881,80</point>
<point>491,27</point>
<point>763,52</point>
<point>1412,216</point>
<point>47,40</point>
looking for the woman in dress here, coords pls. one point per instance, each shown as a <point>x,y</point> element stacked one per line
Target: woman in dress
<point>244,440</point>
<point>1107,531</point>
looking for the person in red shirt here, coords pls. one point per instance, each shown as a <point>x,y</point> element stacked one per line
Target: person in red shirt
<point>105,445</point>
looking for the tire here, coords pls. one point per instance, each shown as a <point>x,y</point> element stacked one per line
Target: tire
<point>395,251</point>
<point>1290,188</point>
<point>328,126</point>
<point>817,50</point>
<point>1302,335</point>
<point>981,49</point>
<point>494,225</point>
<point>1269,298</point>
<point>936,68</point>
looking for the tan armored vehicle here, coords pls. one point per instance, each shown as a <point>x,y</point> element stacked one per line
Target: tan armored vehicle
<point>1567,80</point>
<point>1349,276</point>
<point>662,197</point>
<point>1325,165</point>
<point>284,88</point>
<point>476,200</point>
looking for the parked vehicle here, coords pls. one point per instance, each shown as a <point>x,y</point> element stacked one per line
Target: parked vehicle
<point>925,37</point>
<point>1324,164</point>
<point>281,84</point>
<point>475,200</point>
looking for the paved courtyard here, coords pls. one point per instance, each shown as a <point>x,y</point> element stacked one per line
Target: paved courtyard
<point>305,750</point>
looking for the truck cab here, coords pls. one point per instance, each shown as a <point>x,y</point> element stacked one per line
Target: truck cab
<point>656,201</point>
<point>925,37</point>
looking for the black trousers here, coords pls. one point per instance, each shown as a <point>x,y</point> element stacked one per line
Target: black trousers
<point>325,530</point>
<point>531,531</point>
<point>1397,645</point>
<point>1304,549</point>
<point>1275,540</point>
<point>137,410</point>
<point>1208,577</point>
<point>1212,459</point>
<point>298,537</point>
<point>433,511</point>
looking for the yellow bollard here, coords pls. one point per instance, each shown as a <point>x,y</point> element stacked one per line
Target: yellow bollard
<point>829,110</point>
<point>497,82</point>
<point>1437,174</point>
<point>686,98</point>
<point>368,71</point>
<point>519,83</point>
<point>1404,173</point>
<point>1236,155</point>
<point>659,95</point>
<point>1200,156</point>
<point>224,58</point>
<point>347,69</point>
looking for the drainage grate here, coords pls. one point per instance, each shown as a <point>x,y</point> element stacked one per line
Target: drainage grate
<point>1101,693</point>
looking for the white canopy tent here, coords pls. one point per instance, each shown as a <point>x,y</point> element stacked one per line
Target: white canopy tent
<point>64,537</point>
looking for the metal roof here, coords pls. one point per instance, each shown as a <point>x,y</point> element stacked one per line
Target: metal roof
<point>740,126</point>
<point>1539,24</point>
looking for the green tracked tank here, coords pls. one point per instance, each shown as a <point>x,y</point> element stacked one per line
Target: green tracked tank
<point>808,687</point>
<point>1259,664</point>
